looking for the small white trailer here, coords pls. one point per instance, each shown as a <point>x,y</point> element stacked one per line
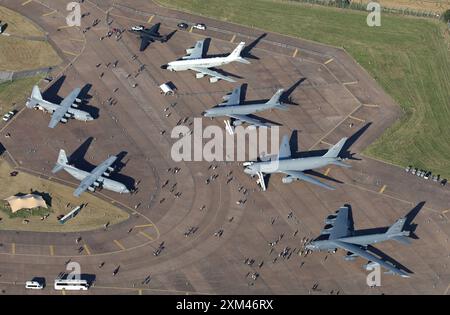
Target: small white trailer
<point>167,88</point>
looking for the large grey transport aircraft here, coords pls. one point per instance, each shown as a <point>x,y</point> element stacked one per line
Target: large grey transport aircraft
<point>195,61</point>
<point>239,113</point>
<point>149,35</point>
<point>93,180</point>
<point>60,113</point>
<point>294,167</point>
<point>339,233</point>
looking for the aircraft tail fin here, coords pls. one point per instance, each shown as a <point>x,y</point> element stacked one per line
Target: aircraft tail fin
<point>397,227</point>
<point>336,149</point>
<point>236,54</point>
<point>36,96</point>
<point>275,99</point>
<point>61,162</point>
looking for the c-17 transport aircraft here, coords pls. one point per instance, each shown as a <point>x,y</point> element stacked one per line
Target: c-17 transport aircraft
<point>339,233</point>
<point>238,112</point>
<point>60,113</point>
<point>149,35</point>
<point>194,61</point>
<point>93,180</point>
<point>294,167</point>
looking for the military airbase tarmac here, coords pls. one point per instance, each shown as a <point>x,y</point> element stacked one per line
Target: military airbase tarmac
<point>335,98</point>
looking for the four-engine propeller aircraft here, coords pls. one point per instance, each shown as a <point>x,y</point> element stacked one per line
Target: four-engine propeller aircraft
<point>60,113</point>
<point>339,233</point>
<point>239,113</point>
<point>97,178</point>
<point>194,61</point>
<point>149,35</point>
<point>294,167</point>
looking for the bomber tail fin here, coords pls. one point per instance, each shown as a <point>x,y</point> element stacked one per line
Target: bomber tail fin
<point>336,149</point>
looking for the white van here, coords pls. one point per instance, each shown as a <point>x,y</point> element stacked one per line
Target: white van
<point>33,285</point>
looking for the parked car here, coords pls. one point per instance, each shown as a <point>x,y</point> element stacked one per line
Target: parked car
<point>9,115</point>
<point>408,169</point>
<point>200,26</point>
<point>443,182</point>
<point>137,28</point>
<point>182,26</point>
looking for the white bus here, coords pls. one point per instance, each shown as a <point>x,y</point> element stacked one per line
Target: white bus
<point>71,284</point>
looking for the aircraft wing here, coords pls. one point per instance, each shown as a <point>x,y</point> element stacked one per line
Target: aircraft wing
<point>285,149</point>
<point>145,41</point>
<point>234,98</point>
<point>94,175</point>
<point>154,29</point>
<point>63,108</point>
<point>250,120</point>
<point>196,52</point>
<point>357,250</point>
<point>302,176</point>
<point>342,226</point>
<point>212,73</point>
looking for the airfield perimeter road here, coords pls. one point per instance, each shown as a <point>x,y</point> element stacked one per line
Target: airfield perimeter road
<point>337,98</point>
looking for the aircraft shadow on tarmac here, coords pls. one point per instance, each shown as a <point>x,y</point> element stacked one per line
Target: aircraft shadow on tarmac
<point>51,95</point>
<point>77,158</point>
<point>409,226</point>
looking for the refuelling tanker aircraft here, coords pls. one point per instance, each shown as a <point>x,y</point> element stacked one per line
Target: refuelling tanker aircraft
<point>97,178</point>
<point>339,233</point>
<point>60,113</point>
<point>239,113</point>
<point>294,167</point>
<point>194,61</point>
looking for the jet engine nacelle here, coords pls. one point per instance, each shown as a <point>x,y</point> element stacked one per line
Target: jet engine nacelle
<point>96,184</point>
<point>110,168</point>
<point>213,79</point>
<point>63,120</point>
<point>106,173</point>
<point>75,105</point>
<point>350,257</point>
<point>199,75</point>
<point>77,100</point>
<point>67,115</point>
<point>287,180</point>
<point>90,188</point>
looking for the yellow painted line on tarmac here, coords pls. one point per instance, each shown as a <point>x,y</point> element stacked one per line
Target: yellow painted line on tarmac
<point>295,53</point>
<point>13,248</point>
<point>327,172</point>
<point>143,226</point>
<point>350,83</point>
<point>356,118</point>
<point>146,235</point>
<point>327,143</point>
<point>26,2</point>
<point>86,248</point>
<point>69,53</point>
<point>233,38</point>
<point>382,189</point>
<point>190,30</point>
<point>64,26</point>
<point>50,13</point>
<point>77,40</point>
<point>150,18</point>
<point>119,245</point>
<point>328,61</point>
<point>371,105</point>
<point>52,250</point>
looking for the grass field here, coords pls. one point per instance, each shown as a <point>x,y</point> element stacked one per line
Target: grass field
<point>21,54</point>
<point>13,94</point>
<point>408,56</point>
<point>93,216</point>
<point>18,24</point>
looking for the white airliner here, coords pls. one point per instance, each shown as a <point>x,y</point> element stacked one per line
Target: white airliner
<point>194,61</point>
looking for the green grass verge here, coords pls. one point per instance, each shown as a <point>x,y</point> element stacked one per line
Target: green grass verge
<point>409,57</point>
<point>14,94</point>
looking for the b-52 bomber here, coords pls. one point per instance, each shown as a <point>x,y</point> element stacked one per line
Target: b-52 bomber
<point>97,178</point>
<point>239,113</point>
<point>339,233</point>
<point>194,60</point>
<point>294,167</point>
<point>149,35</point>
<point>62,112</point>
